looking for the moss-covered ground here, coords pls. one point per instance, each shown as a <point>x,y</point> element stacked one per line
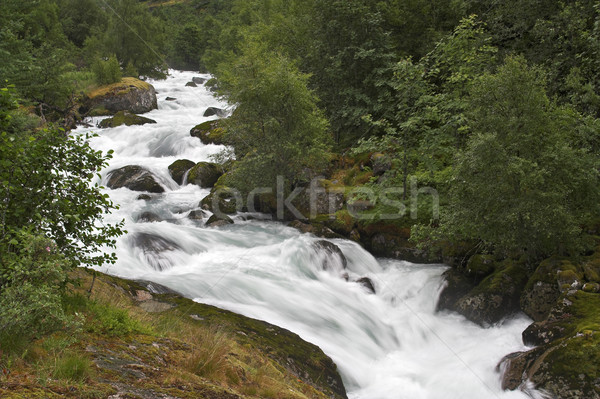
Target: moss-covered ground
<point>129,342</point>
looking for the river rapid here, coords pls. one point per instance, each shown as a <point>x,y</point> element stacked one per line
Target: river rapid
<point>389,345</point>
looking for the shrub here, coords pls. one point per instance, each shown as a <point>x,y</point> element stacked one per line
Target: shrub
<point>32,276</point>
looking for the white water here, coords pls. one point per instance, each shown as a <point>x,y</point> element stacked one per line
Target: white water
<point>389,345</point>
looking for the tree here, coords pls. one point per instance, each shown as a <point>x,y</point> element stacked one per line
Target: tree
<point>276,124</point>
<point>520,187</point>
<point>45,183</point>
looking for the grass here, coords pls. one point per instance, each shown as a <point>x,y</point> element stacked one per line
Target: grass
<point>72,367</point>
<point>118,344</point>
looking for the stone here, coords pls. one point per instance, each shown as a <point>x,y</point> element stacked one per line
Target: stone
<point>496,297</point>
<point>134,178</point>
<point>205,174</point>
<point>191,84</point>
<point>211,111</point>
<point>333,255</point>
<point>153,248</point>
<point>197,214</point>
<point>211,132</point>
<point>130,94</point>
<point>217,221</point>
<point>367,283</point>
<point>198,80</point>
<point>170,99</point>
<point>179,168</point>
<point>149,217</point>
<point>125,118</point>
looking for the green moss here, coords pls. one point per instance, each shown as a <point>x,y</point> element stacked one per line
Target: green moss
<point>119,88</point>
<point>480,266</point>
<point>576,361</point>
<point>508,275</point>
<point>547,271</point>
<point>210,132</point>
<point>179,168</point>
<point>205,174</point>
<point>125,118</point>
<point>99,111</point>
<point>343,222</point>
<point>591,269</point>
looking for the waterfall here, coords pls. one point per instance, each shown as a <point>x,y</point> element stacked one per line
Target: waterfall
<point>391,344</point>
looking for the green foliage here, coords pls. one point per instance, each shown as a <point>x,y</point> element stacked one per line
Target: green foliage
<point>48,218</point>
<point>113,320</point>
<point>107,71</point>
<point>133,34</point>
<point>520,186</point>
<point>32,275</point>
<point>44,183</point>
<point>72,367</point>
<point>276,122</point>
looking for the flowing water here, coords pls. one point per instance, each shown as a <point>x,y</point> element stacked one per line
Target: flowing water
<point>389,345</point>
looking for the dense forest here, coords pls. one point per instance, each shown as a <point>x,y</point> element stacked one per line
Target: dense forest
<point>494,106</point>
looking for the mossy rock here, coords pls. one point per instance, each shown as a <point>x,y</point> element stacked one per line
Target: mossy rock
<point>205,174</point>
<point>544,288</point>
<point>221,200</point>
<point>211,132</point>
<point>125,118</point>
<point>480,266</point>
<point>591,268</point>
<point>456,286</point>
<point>496,297</point>
<point>567,365</point>
<point>573,313</point>
<point>179,168</point>
<point>343,223</point>
<point>130,94</point>
<point>135,178</point>
<point>218,220</point>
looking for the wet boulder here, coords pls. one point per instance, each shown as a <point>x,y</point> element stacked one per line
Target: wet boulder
<point>125,118</point>
<point>149,217</point>
<point>218,220</point>
<point>456,285</point>
<point>205,174</point>
<point>198,80</point>
<point>191,84</point>
<point>211,132</point>
<point>130,94</point>
<point>543,288</point>
<point>567,362</point>
<point>212,111</point>
<point>333,255</point>
<point>154,249</point>
<point>367,283</point>
<point>197,214</point>
<point>496,297</point>
<point>179,168</point>
<point>134,178</point>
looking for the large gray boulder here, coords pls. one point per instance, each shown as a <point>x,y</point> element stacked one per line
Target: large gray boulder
<point>130,94</point>
<point>135,178</point>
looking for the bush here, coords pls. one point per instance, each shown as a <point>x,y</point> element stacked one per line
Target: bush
<point>115,321</point>
<point>32,276</point>
<point>107,71</point>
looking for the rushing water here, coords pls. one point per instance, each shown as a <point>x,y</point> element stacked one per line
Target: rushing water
<point>389,345</point>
